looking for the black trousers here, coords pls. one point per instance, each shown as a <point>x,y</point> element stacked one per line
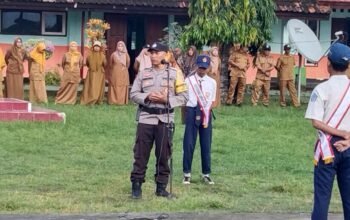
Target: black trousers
<point>145,137</point>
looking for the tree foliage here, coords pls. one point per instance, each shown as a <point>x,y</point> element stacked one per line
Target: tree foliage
<point>226,21</point>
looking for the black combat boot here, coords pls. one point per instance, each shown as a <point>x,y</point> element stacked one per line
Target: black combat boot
<point>136,190</point>
<point>161,191</point>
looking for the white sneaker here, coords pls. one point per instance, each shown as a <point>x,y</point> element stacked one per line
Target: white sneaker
<point>187,179</point>
<point>206,179</point>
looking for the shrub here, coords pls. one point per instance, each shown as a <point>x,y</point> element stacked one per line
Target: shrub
<point>52,78</point>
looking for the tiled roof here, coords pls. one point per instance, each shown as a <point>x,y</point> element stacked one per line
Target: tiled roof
<point>139,3</point>
<point>302,6</point>
<point>336,3</point>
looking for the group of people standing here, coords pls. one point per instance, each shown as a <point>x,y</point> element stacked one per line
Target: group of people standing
<point>239,62</point>
<point>14,60</point>
<point>115,71</point>
<point>99,70</point>
<point>72,63</point>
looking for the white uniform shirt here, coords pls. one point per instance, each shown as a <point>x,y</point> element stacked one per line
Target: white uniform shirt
<point>208,87</point>
<point>325,98</point>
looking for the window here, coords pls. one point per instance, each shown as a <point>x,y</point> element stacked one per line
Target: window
<point>314,25</point>
<point>20,22</point>
<point>33,22</point>
<point>54,23</point>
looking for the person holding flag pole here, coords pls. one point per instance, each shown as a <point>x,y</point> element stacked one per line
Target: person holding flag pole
<point>202,93</point>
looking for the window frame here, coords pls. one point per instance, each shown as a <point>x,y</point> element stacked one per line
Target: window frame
<point>64,23</point>
<point>318,32</point>
<point>14,10</point>
<point>42,22</point>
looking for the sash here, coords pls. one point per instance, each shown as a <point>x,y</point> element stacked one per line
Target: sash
<point>323,147</point>
<point>204,104</point>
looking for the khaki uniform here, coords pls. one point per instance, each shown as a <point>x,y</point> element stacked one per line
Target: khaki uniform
<point>285,66</point>
<point>67,94</point>
<point>238,76</point>
<point>152,120</point>
<point>262,81</point>
<point>37,87</point>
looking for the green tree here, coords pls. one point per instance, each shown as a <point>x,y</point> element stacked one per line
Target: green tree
<point>226,21</point>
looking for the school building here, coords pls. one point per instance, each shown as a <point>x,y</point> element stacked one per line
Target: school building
<point>138,22</point>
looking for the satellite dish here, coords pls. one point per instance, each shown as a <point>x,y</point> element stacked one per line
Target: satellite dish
<point>306,43</point>
<point>304,40</point>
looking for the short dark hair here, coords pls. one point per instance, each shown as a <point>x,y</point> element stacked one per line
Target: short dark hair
<point>339,67</point>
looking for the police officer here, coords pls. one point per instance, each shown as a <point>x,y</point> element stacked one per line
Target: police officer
<point>328,111</point>
<point>265,64</point>
<point>239,62</point>
<point>285,67</point>
<point>150,90</point>
<point>202,93</point>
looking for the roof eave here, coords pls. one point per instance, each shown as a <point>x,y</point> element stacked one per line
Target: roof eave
<point>122,9</point>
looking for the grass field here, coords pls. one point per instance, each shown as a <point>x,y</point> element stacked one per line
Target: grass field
<point>261,162</point>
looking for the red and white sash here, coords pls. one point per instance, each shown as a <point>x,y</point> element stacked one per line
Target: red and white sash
<point>203,102</point>
<point>323,146</point>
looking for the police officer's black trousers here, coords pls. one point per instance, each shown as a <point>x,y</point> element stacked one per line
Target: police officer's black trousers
<point>145,137</point>
<point>324,175</point>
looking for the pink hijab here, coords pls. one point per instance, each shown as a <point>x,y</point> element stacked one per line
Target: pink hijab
<point>122,56</point>
<point>144,59</point>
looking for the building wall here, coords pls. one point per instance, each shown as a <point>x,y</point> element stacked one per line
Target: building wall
<point>74,21</point>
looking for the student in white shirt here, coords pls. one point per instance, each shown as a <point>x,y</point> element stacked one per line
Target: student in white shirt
<point>328,110</point>
<point>202,93</point>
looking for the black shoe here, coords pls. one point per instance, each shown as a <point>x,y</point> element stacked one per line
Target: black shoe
<point>161,191</point>
<point>136,190</point>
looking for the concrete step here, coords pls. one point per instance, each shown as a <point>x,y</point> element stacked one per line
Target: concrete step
<point>10,104</point>
<point>45,115</point>
<point>20,110</point>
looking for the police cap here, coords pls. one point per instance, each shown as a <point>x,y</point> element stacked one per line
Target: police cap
<point>158,47</point>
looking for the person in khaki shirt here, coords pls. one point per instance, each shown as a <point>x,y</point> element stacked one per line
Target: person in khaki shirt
<point>151,90</point>
<point>265,64</point>
<point>285,67</point>
<point>240,63</point>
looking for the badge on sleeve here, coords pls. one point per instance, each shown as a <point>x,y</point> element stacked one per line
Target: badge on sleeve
<point>313,97</point>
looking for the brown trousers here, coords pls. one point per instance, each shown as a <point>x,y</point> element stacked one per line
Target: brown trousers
<point>239,82</point>
<point>146,135</point>
<point>264,85</point>
<point>290,85</point>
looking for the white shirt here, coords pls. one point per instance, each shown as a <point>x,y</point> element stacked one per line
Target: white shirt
<point>325,98</point>
<point>208,87</point>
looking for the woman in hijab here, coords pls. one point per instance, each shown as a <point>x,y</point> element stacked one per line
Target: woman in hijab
<point>2,65</point>
<point>190,61</point>
<point>37,87</point>
<point>14,73</point>
<point>179,57</point>
<point>118,86</point>
<point>143,60</point>
<point>72,62</point>
<point>215,72</point>
<point>94,85</point>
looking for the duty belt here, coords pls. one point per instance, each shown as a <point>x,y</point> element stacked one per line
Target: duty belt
<point>156,111</point>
